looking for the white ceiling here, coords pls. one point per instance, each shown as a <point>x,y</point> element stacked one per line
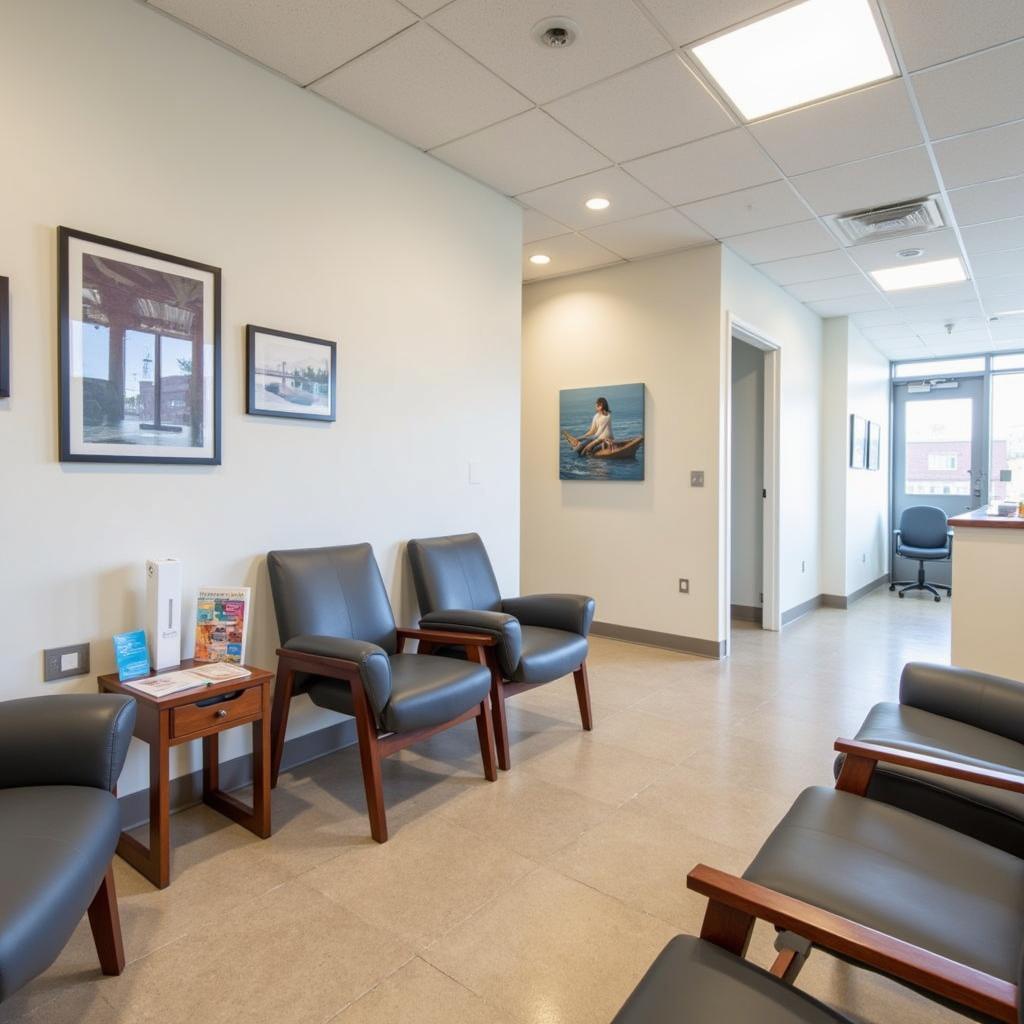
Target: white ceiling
<point>625,113</point>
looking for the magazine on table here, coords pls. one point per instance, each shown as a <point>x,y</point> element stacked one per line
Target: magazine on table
<point>168,683</point>
<point>222,623</point>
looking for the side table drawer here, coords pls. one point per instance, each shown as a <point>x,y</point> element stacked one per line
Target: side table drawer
<point>193,720</point>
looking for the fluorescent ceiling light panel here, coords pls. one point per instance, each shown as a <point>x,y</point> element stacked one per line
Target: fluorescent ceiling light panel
<point>800,54</point>
<point>920,275</point>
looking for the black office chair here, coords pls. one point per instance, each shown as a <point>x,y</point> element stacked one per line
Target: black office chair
<point>924,535</point>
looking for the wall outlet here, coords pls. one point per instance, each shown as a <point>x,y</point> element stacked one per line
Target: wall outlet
<point>696,477</point>
<point>863,557</point>
<point>803,567</point>
<point>64,662</point>
<point>684,585</point>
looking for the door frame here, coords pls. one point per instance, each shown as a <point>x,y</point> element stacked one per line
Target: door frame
<point>771,609</point>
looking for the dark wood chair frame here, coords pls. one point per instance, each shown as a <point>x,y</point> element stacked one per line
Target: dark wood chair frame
<point>734,904</point>
<point>374,743</point>
<point>503,688</point>
<point>105,924</point>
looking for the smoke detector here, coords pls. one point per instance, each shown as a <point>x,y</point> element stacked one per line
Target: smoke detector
<point>556,33</point>
<point>912,217</point>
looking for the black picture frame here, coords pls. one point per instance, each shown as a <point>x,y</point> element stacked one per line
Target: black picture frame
<point>5,337</point>
<point>256,399</point>
<point>73,440</point>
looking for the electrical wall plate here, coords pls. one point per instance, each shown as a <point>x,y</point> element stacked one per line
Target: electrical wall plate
<point>696,477</point>
<point>65,662</point>
<point>684,585</point>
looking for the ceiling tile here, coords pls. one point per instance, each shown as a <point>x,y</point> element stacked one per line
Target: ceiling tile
<point>843,307</point>
<point>931,31</point>
<point>937,245</point>
<point>422,88</point>
<point>425,7</point>
<point>536,226</point>
<point>976,92</point>
<point>936,326</point>
<point>801,239</point>
<point>942,308</point>
<point>892,332</point>
<point>863,124</point>
<point>612,36</point>
<point>833,288</point>
<point>523,153</point>
<point>808,268</point>
<point>644,236</point>
<point>1010,333</point>
<point>942,294</point>
<point>879,318</point>
<point>750,209</point>
<point>690,21</point>
<point>565,200</point>
<point>875,182</point>
<point>994,264</point>
<point>302,39</point>
<point>722,163</point>
<point>653,107</point>
<point>569,254</point>
<point>997,236</point>
<point>1009,286</point>
<point>991,200</point>
<point>981,156</point>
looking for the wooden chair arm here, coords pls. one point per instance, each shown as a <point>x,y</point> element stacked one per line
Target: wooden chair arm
<point>945,978</point>
<point>317,664</point>
<point>440,636</point>
<point>869,754</point>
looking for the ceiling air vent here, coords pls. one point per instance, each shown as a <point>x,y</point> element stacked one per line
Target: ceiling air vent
<point>908,218</point>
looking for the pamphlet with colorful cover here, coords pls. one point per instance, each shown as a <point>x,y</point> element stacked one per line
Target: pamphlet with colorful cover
<point>132,655</point>
<point>222,621</point>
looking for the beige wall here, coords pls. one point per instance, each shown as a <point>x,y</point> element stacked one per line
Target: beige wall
<point>119,121</point>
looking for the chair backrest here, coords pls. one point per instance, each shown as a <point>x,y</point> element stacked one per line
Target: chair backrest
<point>924,526</point>
<point>336,591</point>
<point>453,572</point>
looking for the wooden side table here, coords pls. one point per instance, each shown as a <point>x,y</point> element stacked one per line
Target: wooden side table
<point>165,722</point>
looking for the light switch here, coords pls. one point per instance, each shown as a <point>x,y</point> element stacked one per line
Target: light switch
<point>69,662</point>
<point>476,473</point>
<point>63,662</point>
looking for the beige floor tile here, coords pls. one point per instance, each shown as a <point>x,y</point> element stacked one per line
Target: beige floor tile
<point>420,994</point>
<point>663,739</point>
<point>429,877</point>
<point>551,949</point>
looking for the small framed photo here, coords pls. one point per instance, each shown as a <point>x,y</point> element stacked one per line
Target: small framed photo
<point>874,444</point>
<point>290,375</point>
<point>5,338</point>
<point>858,441</point>
<point>139,354</point>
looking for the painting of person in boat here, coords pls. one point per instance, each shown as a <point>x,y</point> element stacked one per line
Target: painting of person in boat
<point>602,433</point>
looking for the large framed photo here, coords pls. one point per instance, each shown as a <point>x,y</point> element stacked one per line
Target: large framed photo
<point>290,375</point>
<point>139,354</point>
<point>5,338</point>
<point>601,433</point>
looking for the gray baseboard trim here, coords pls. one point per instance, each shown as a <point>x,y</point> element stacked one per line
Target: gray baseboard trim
<point>837,601</point>
<point>669,641</point>
<point>834,601</point>
<point>799,610</point>
<point>187,790</point>
<point>747,613</point>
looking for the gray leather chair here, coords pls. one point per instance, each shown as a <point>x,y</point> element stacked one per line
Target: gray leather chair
<point>340,645</point>
<point>923,535</point>
<point>963,716</point>
<point>60,758</point>
<point>536,639</point>
<point>693,981</point>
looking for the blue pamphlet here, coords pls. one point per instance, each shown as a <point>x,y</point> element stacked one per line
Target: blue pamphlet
<point>132,655</point>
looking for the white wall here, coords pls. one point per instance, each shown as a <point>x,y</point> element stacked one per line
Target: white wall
<point>655,321</point>
<point>750,296</point>
<point>120,122</point>
<point>747,525</point>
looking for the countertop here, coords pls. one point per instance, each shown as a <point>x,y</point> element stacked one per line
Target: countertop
<point>981,517</point>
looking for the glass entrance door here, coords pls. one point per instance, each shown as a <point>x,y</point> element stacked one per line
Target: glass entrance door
<point>938,455</point>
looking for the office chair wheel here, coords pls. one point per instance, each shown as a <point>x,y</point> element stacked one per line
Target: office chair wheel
<point>937,598</point>
<point>901,593</point>
<point>892,587</point>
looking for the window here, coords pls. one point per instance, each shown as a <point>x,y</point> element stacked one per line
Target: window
<point>1013,361</point>
<point>941,461</point>
<point>1006,452</point>
<point>938,446</point>
<point>939,367</point>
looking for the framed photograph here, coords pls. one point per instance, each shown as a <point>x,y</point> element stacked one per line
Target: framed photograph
<point>858,441</point>
<point>139,354</point>
<point>5,338</point>
<point>874,444</point>
<point>601,433</point>
<point>290,375</point>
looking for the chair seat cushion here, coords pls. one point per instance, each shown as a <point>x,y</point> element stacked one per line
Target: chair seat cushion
<point>697,982</point>
<point>928,554</point>
<point>56,843</point>
<point>888,869</point>
<point>549,654</point>
<point>428,690</point>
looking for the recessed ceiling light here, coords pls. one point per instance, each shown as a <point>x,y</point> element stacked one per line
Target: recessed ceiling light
<point>920,275</point>
<point>540,259</point>
<point>598,203</point>
<point>803,53</point>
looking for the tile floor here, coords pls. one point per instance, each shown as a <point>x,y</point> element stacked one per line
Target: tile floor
<point>538,899</point>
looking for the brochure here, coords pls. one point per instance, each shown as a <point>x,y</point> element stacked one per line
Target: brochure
<point>132,655</point>
<point>222,622</point>
<point>188,679</point>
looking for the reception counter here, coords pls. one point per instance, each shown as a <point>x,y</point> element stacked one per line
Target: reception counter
<point>988,593</point>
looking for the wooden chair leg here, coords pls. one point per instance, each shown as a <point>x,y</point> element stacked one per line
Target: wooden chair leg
<point>486,733</point>
<point>583,695</point>
<point>106,926</point>
<point>500,722</point>
<point>283,689</point>
<point>369,755</point>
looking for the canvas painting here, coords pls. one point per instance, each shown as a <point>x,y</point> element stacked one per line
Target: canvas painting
<point>602,433</point>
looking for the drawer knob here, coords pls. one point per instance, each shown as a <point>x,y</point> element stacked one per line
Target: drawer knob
<point>223,713</point>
